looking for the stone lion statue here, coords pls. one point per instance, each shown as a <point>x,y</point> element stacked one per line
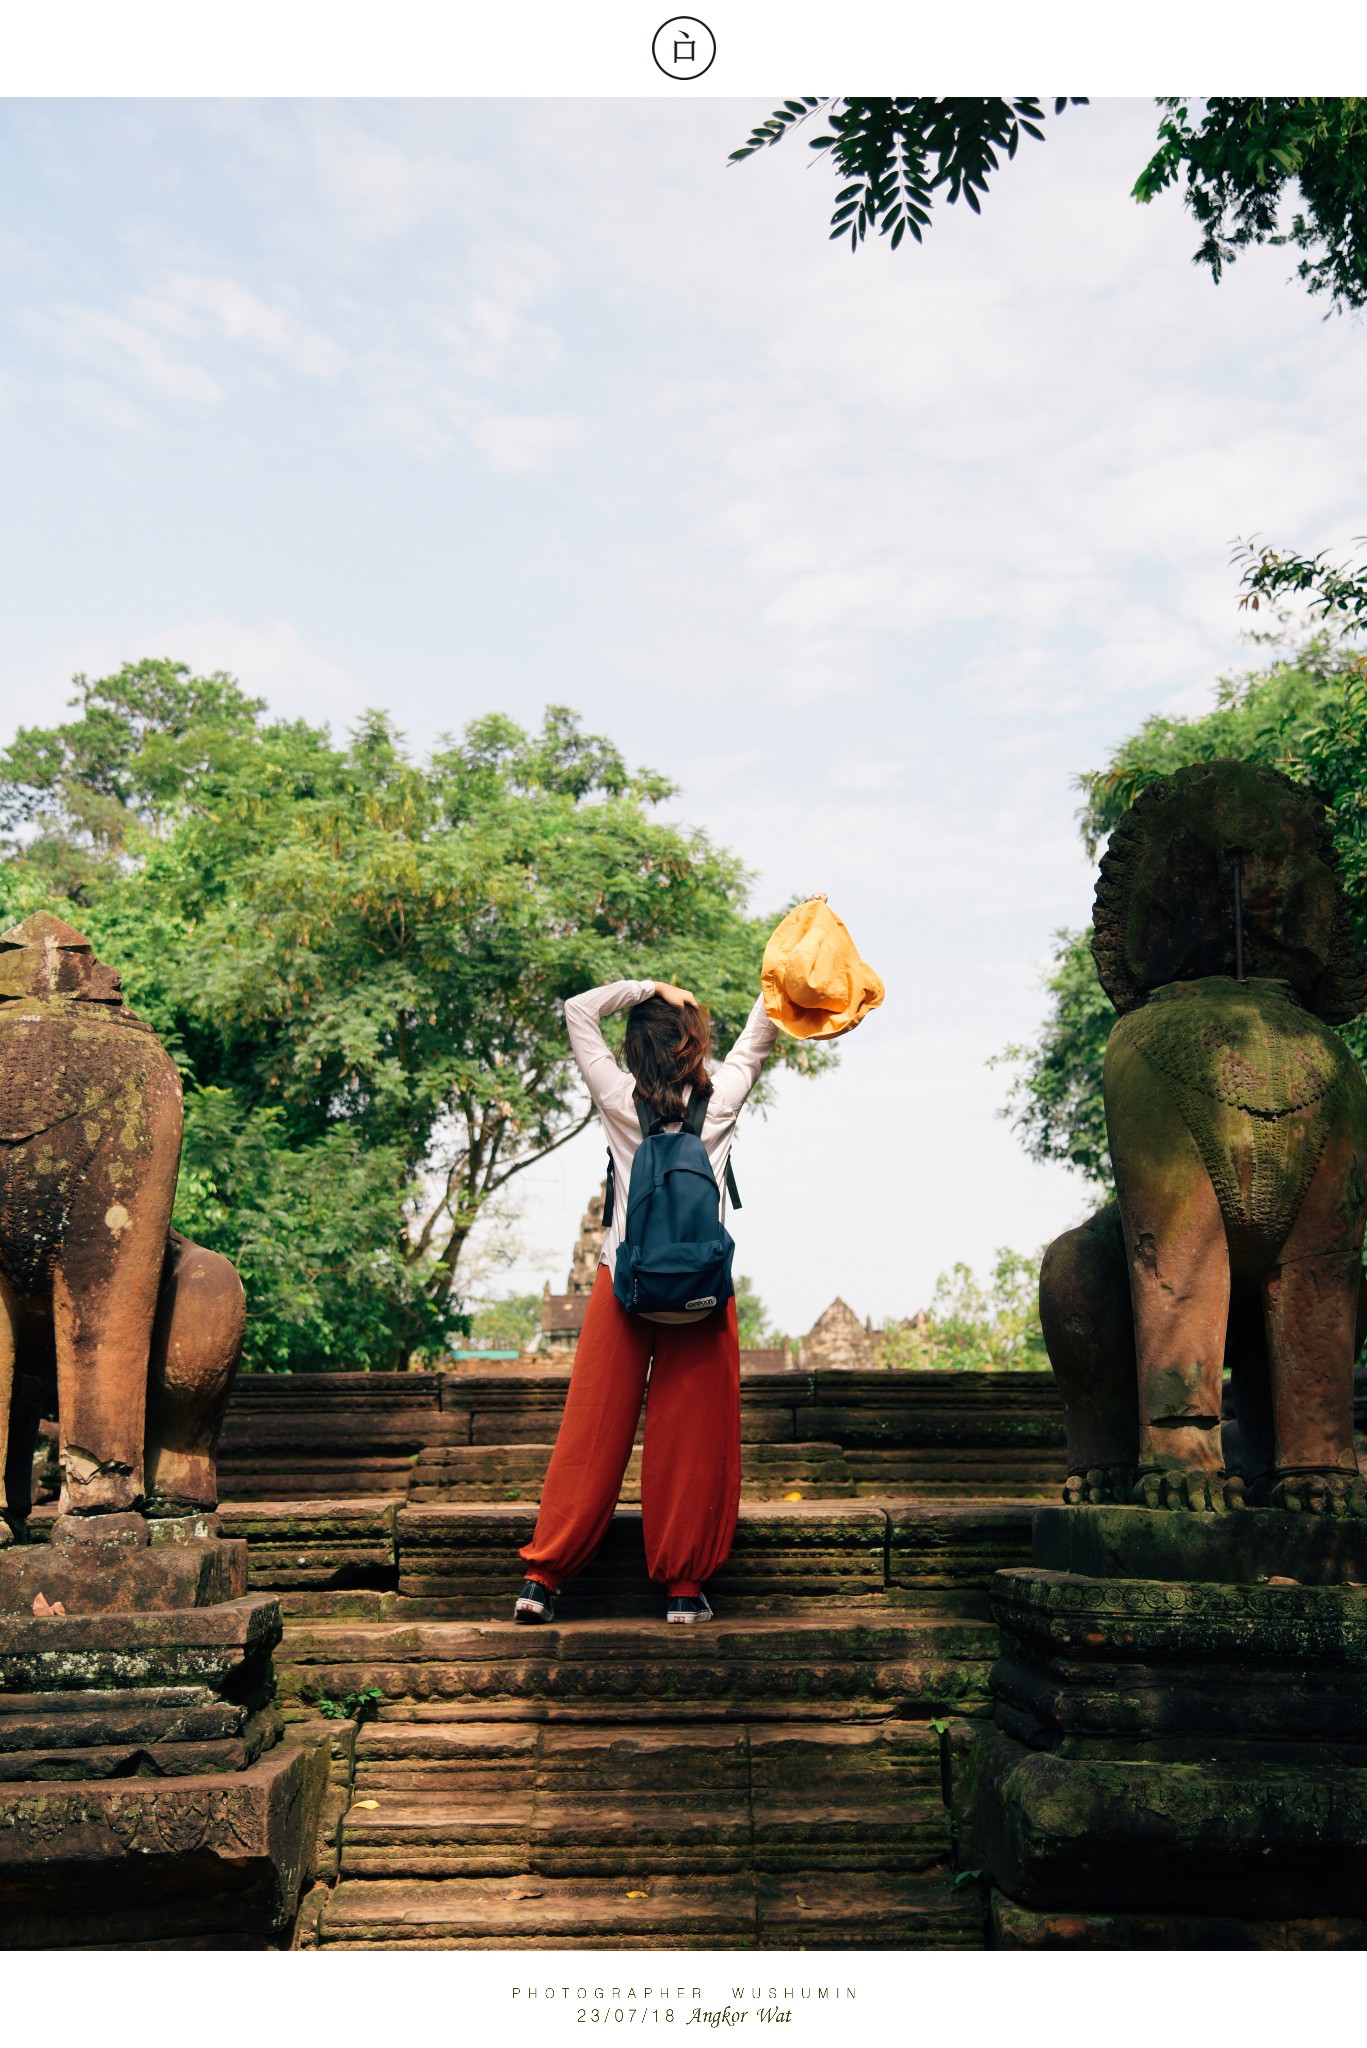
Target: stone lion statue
<point>120,1326</point>
<point>1237,1121</point>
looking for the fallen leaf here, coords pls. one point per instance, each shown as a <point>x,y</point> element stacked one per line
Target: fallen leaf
<point>792,1496</point>
<point>1275,1579</point>
<point>638,1895</point>
<point>524,1891</point>
<point>802,1903</point>
<point>43,1611</point>
<point>365,1802</point>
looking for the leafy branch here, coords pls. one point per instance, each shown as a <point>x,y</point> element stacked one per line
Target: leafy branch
<point>1237,161</point>
<point>897,153</point>
<point>1337,591</point>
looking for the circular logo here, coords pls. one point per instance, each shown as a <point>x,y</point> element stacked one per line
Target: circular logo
<point>684,47</point>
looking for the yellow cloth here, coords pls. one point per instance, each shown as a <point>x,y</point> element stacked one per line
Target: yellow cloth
<point>815,984</point>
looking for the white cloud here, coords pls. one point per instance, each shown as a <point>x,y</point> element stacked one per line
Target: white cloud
<point>524,444</point>
<point>873,776</point>
<point>91,333</point>
<point>190,304</point>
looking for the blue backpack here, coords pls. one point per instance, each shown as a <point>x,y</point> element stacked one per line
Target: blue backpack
<point>675,1263</point>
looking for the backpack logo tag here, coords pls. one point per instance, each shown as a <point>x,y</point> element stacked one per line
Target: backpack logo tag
<point>703,1301</point>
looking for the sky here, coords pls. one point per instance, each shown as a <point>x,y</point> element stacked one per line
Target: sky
<point>458,406</point>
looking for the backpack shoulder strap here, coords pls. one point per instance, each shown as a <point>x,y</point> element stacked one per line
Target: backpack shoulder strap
<point>646,1118</point>
<point>694,1117</point>
<point>610,1198</point>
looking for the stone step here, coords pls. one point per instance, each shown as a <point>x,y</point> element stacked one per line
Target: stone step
<point>737,1668</point>
<point>416,1757</point>
<point>295,1477</point>
<point>847,1910</point>
<point>924,1473</point>
<point>586,1801</point>
<point>849,1550</point>
<point>292,1544</point>
<point>39,1762</point>
<point>789,1548</point>
<point>517,1472</point>
<point>461,1558</point>
<point>436,1836</point>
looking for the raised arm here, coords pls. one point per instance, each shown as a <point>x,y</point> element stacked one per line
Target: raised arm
<point>603,1077</point>
<point>739,1071</point>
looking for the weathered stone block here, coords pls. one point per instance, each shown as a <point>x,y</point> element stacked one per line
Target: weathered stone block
<point>1016,1926</point>
<point>1065,1614</point>
<point>121,1578</point>
<point>224,1648</point>
<point>943,1544</point>
<point>322,1543</point>
<point>1243,1547</point>
<point>164,1757</point>
<point>1057,1834</point>
<point>133,1861</point>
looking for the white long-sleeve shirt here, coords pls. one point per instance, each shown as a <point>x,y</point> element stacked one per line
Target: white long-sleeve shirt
<point>612,1090</point>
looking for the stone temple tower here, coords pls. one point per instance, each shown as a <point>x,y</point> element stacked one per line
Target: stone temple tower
<point>562,1315</point>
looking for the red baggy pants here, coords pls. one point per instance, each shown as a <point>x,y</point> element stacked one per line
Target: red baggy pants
<point>690,1466</point>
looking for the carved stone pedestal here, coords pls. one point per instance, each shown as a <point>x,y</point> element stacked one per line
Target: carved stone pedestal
<point>148,1794</point>
<point>1178,1755</point>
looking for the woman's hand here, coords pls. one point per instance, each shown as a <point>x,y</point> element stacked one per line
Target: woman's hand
<point>679,997</point>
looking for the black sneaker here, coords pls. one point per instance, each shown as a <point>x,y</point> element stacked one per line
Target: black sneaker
<point>688,1607</point>
<point>534,1603</point>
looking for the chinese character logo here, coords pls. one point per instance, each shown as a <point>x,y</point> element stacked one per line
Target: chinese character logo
<point>684,47</point>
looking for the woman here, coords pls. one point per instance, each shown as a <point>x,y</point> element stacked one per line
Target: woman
<point>690,1469</point>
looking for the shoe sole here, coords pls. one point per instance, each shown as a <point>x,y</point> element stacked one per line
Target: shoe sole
<point>533,1614</point>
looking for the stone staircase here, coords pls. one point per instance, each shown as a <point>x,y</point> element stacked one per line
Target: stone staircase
<point>676,1834</point>
<point>773,1778</point>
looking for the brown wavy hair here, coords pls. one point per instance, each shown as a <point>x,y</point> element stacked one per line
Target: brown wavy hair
<point>666,1053</point>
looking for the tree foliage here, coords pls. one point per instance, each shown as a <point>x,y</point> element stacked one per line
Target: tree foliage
<point>756,1331</point>
<point>974,1325</point>
<point>507,1322</point>
<point>1055,1096</point>
<point>1305,712</point>
<point>1336,591</point>
<point>1239,160</point>
<point>359,961</point>
<point>897,153</point>
<point>1239,163</point>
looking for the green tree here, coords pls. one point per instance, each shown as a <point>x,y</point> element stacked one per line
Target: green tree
<point>1237,160</point>
<point>359,960</point>
<point>508,1322</point>
<point>972,1325</point>
<point>756,1331</point>
<point>1303,711</point>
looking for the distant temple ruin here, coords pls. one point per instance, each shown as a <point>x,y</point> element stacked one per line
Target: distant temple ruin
<point>562,1315</point>
<point>838,1338</point>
